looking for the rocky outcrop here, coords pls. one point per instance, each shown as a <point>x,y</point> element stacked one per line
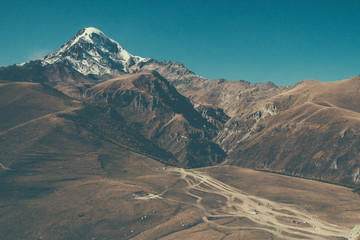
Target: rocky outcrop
<point>149,103</point>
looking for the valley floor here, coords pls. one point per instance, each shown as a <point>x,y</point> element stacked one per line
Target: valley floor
<point>158,202</point>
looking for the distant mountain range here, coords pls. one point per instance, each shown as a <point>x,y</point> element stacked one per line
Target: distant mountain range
<point>165,111</point>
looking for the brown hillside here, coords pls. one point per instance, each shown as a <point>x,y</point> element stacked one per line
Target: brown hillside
<point>315,134</point>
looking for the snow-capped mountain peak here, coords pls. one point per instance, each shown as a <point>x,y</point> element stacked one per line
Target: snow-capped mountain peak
<point>90,51</point>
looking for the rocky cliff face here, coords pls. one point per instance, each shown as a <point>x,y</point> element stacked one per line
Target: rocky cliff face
<point>153,106</point>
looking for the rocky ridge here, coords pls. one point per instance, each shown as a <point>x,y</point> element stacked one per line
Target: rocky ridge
<point>149,103</point>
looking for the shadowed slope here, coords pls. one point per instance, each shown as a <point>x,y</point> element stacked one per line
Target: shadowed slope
<point>154,107</point>
<point>31,112</point>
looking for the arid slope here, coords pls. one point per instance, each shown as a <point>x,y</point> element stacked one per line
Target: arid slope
<point>315,133</point>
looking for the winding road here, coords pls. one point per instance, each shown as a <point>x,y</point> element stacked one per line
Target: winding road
<point>285,221</point>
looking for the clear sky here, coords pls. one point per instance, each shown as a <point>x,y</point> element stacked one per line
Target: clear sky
<point>283,41</point>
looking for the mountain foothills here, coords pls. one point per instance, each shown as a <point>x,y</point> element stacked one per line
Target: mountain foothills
<point>310,129</point>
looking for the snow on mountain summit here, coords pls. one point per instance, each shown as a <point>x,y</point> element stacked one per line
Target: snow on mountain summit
<point>90,51</point>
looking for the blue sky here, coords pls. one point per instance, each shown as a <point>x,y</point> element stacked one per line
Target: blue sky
<point>283,41</point>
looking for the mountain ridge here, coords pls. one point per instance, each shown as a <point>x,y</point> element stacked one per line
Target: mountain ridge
<point>149,102</point>
<point>247,121</point>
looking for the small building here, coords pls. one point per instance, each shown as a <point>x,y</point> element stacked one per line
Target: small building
<point>254,212</point>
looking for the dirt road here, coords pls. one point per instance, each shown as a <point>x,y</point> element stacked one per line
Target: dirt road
<point>282,220</point>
